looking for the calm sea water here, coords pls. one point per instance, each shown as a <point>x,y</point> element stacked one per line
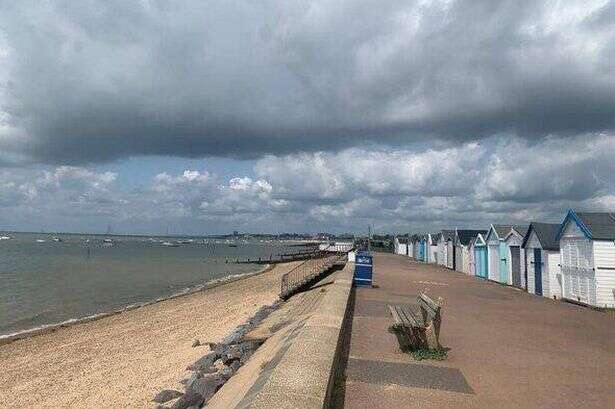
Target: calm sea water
<point>49,282</point>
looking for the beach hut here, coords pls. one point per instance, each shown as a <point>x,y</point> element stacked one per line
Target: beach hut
<point>481,262</point>
<point>435,243</point>
<point>587,244</point>
<point>462,248</point>
<point>401,245</point>
<point>423,248</point>
<point>513,265</point>
<point>496,252</point>
<point>410,247</point>
<point>543,260</point>
<point>471,257</point>
<point>450,251</point>
<point>416,244</point>
<point>433,248</point>
<point>442,246</point>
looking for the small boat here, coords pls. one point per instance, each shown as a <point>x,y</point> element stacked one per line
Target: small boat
<point>56,239</point>
<point>169,244</point>
<point>232,245</point>
<point>41,240</point>
<point>189,241</point>
<point>5,238</point>
<point>108,242</point>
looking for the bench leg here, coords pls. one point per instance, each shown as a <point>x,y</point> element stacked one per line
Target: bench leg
<point>431,335</point>
<point>410,339</point>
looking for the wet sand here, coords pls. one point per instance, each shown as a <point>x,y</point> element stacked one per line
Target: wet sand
<point>123,360</point>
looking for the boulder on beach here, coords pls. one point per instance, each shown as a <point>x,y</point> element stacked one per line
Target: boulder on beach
<point>205,361</point>
<point>167,395</point>
<point>189,399</point>
<point>206,386</point>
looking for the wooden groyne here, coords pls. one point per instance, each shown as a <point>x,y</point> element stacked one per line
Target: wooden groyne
<point>279,258</point>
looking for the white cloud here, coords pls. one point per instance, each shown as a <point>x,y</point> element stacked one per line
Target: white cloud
<point>502,179</point>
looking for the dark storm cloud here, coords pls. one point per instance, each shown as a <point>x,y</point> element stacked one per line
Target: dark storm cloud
<point>93,81</point>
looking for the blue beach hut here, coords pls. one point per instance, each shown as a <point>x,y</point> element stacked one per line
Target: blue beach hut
<point>497,266</point>
<point>480,257</point>
<point>422,247</point>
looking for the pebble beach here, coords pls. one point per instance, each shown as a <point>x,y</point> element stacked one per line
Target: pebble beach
<point>123,360</point>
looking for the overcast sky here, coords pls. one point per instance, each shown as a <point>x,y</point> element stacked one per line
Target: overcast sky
<point>268,116</point>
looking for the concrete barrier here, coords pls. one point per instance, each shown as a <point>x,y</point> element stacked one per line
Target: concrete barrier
<point>297,366</point>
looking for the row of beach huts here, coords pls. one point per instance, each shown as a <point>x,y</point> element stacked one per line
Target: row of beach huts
<point>572,260</point>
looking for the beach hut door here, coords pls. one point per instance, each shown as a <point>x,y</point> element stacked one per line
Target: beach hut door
<point>538,271</point>
<point>515,265</point>
<point>503,263</point>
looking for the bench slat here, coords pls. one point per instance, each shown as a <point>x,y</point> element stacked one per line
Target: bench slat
<point>411,317</point>
<point>428,302</point>
<point>403,315</point>
<point>395,314</point>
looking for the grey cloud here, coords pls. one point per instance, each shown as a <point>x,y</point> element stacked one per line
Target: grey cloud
<point>95,81</point>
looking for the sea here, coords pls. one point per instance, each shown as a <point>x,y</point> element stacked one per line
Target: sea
<point>47,280</point>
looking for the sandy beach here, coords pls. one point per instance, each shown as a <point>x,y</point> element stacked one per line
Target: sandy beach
<point>123,360</point>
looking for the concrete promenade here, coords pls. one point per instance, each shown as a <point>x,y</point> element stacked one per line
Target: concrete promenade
<point>508,349</point>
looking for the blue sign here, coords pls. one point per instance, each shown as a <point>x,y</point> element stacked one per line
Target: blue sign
<point>363,268</point>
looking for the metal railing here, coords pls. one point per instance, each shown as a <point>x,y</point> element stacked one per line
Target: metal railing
<point>306,272</point>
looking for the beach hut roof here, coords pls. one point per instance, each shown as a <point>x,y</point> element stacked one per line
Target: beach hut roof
<point>502,229</point>
<point>601,225</point>
<point>448,234</point>
<point>465,236</point>
<point>521,229</point>
<point>595,225</point>
<point>546,233</point>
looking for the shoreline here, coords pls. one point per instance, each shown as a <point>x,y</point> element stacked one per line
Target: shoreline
<point>125,359</point>
<point>49,328</point>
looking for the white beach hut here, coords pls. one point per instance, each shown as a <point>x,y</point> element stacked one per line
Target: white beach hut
<point>587,243</point>
<point>543,260</point>
<point>442,246</point>
<point>433,247</point>
<point>514,258</point>
<point>401,245</point>
<point>450,251</point>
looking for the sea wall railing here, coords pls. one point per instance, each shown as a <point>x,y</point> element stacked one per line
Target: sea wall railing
<point>306,272</point>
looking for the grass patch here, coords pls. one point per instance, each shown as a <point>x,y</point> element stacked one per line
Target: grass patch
<point>418,354</point>
<point>435,354</point>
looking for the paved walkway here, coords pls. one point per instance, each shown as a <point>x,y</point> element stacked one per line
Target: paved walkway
<point>508,349</point>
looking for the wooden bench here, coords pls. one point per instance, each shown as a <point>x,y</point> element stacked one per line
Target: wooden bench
<point>414,331</point>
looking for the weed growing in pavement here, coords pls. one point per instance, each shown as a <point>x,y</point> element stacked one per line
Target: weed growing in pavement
<point>435,354</point>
